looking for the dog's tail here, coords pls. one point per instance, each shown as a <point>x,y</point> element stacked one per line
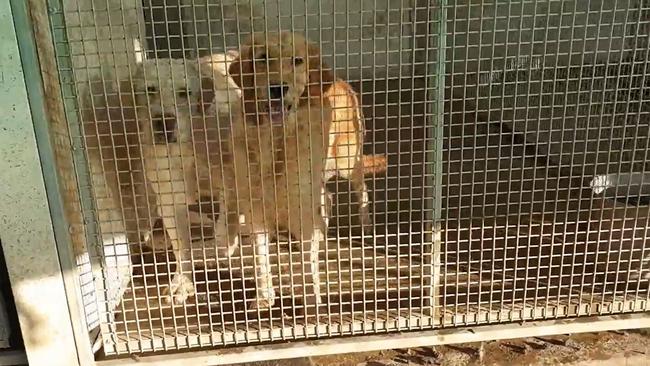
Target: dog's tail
<point>373,164</point>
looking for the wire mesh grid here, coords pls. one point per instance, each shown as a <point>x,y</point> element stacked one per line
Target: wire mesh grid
<point>542,206</point>
<point>136,79</point>
<point>546,143</point>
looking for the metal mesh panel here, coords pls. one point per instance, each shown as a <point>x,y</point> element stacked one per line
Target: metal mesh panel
<point>121,59</point>
<point>544,99</point>
<point>528,200</point>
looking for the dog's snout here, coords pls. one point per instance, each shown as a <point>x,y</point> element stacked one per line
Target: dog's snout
<point>278,91</point>
<point>164,129</point>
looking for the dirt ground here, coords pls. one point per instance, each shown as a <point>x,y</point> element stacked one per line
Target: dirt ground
<point>586,349</point>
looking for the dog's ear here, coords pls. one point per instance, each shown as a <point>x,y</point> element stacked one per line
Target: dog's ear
<point>320,76</point>
<point>232,55</point>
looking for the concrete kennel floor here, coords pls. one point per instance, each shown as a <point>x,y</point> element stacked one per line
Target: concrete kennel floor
<point>588,349</point>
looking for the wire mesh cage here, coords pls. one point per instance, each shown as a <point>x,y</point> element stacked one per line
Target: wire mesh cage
<point>491,165</point>
<point>151,100</point>
<point>544,101</point>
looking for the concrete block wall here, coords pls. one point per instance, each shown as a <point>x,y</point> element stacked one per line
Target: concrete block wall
<point>105,37</point>
<point>531,66</point>
<point>366,38</point>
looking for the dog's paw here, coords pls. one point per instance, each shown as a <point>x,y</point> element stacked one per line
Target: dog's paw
<point>263,302</point>
<point>180,289</point>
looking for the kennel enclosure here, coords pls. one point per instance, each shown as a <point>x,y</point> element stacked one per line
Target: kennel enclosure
<point>494,117</point>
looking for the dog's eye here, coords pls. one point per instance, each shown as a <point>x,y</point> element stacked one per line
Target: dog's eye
<point>184,93</point>
<point>298,61</point>
<point>152,89</point>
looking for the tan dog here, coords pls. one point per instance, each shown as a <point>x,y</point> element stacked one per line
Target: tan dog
<point>275,155</point>
<point>177,146</point>
<point>345,152</point>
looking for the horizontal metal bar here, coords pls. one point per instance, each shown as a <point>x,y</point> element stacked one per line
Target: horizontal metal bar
<point>404,340</point>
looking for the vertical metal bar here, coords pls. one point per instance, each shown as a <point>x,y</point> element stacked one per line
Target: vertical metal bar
<point>536,157</point>
<point>155,52</point>
<point>231,140</point>
<point>411,248</point>
<point>504,262</point>
<point>554,213</point>
<point>195,48</point>
<point>560,154</point>
<point>82,166</point>
<point>458,270</point>
<point>436,161</point>
<point>481,272</point>
<point>398,139</point>
<point>644,61</point>
<point>588,229</point>
<point>93,233</point>
<point>520,209</point>
<point>468,265</point>
<point>445,219</point>
<point>602,309</point>
<point>490,97</point>
<point>212,193</point>
<point>170,54</point>
<point>137,218</point>
<point>623,220</point>
<point>328,208</point>
<point>292,24</point>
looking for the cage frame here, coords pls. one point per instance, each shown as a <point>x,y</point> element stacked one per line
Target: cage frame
<point>61,340</point>
<point>55,241</point>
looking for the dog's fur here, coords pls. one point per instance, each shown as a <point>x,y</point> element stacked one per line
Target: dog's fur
<point>274,158</point>
<point>216,65</point>
<point>178,146</point>
<point>345,156</point>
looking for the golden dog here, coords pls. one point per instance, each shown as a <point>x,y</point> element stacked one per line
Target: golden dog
<point>345,156</point>
<point>274,156</point>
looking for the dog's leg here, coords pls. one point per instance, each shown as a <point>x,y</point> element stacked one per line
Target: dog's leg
<point>130,199</point>
<point>310,240</point>
<point>265,293</point>
<point>326,205</point>
<point>317,237</point>
<point>178,228</point>
<point>361,190</point>
<point>226,229</point>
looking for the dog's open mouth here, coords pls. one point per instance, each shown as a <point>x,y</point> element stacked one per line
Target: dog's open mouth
<point>277,111</point>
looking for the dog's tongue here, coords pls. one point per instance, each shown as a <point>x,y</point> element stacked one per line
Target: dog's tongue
<point>276,112</point>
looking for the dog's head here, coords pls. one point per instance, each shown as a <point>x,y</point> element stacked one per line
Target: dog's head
<point>276,73</point>
<point>170,92</point>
